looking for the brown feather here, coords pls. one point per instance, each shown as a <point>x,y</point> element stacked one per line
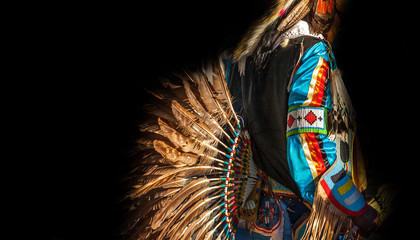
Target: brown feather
<point>189,122</point>
<point>198,223</point>
<point>206,95</point>
<point>145,140</point>
<point>171,173</point>
<point>218,83</point>
<point>192,201</point>
<point>212,104</point>
<point>187,144</point>
<point>196,105</point>
<point>152,159</point>
<point>179,140</point>
<point>168,83</point>
<point>192,213</point>
<point>177,182</point>
<point>149,126</point>
<point>142,213</point>
<point>204,116</point>
<point>156,170</point>
<point>201,234</point>
<point>222,91</point>
<point>186,219</point>
<point>177,199</point>
<point>170,201</point>
<point>210,234</point>
<point>174,155</point>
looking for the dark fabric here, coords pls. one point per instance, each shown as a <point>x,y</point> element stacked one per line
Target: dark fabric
<point>261,99</point>
<point>295,210</point>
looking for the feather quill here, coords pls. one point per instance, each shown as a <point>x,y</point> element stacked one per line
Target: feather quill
<point>210,234</point>
<point>164,178</point>
<point>189,216</point>
<point>177,199</point>
<point>192,201</point>
<point>200,235</point>
<point>197,223</point>
<point>186,219</point>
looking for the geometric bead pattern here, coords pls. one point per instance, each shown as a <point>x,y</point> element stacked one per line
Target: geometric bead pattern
<point>306,119</point>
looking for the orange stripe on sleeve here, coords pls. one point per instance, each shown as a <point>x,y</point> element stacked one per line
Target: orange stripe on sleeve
<point>321,76</point>
<point>316,155</point>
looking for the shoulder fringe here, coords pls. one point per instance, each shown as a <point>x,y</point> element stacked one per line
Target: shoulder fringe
<point>326,221</point>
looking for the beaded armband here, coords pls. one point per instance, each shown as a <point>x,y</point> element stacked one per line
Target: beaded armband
<point>306,120</point>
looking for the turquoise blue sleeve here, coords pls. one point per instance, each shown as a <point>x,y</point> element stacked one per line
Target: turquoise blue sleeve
<point>309,152</point>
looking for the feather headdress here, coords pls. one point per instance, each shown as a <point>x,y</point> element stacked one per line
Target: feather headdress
<point>194,168</point>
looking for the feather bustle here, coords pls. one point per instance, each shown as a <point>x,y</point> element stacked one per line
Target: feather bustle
<point>185,141</point>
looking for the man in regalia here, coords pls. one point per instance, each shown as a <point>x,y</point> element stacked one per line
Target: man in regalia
<point>289,91</point>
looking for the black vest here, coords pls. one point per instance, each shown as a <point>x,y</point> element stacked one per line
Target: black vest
<point>261,98</point>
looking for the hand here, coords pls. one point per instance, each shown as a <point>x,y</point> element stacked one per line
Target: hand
<point>367,222</point>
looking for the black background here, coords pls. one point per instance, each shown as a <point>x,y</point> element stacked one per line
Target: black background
<point>102,56</point>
